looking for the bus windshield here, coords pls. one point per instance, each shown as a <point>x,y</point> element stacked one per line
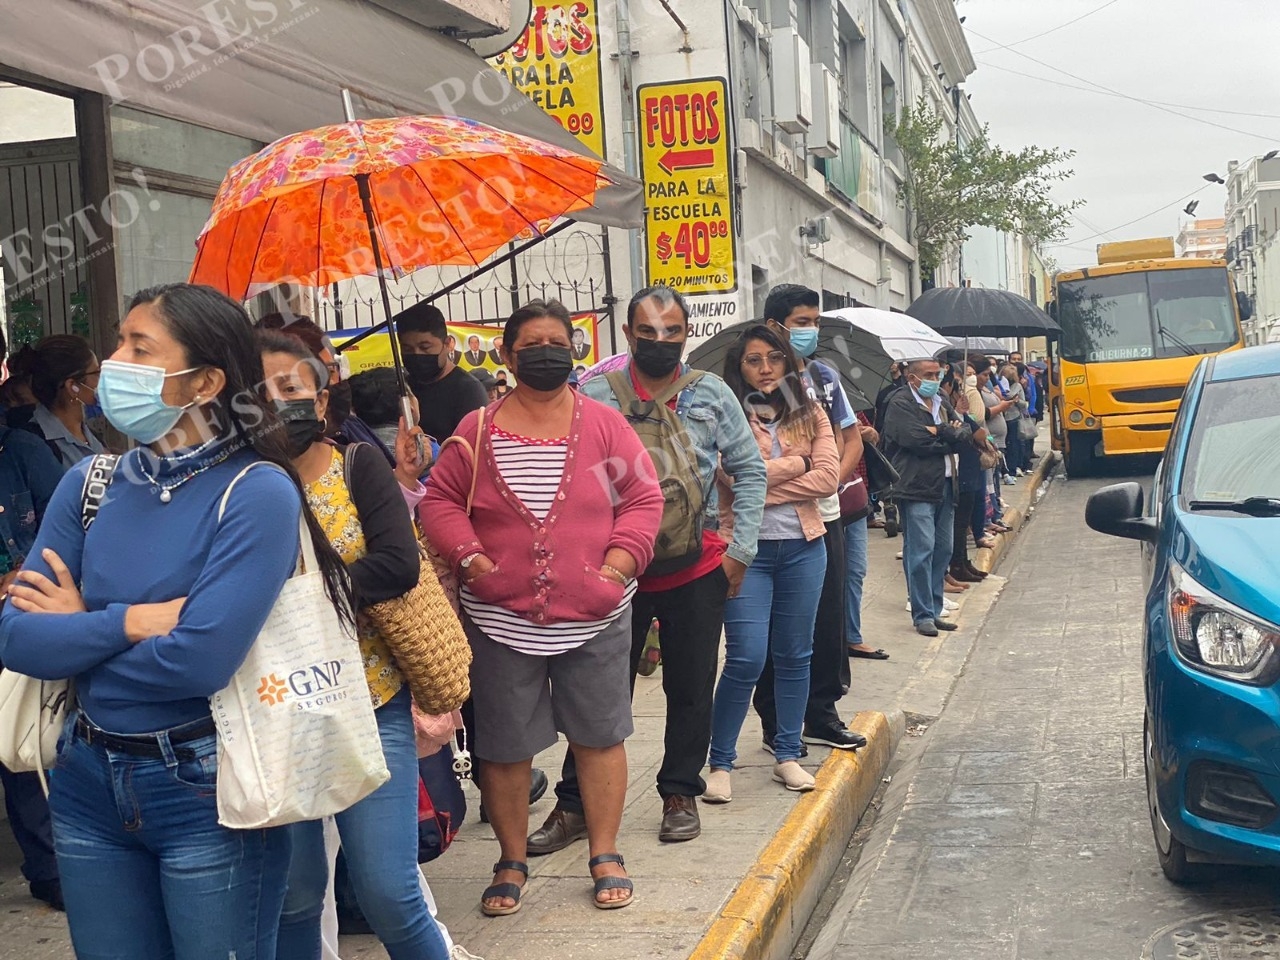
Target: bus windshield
<point>1140,316</point>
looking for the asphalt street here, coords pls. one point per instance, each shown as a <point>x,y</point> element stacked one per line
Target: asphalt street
<point>1016,828</point>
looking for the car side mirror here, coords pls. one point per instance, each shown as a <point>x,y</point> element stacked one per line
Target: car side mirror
<point>1117,511</point>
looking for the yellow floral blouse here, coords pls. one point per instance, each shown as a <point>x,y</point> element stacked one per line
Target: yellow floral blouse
<point>330,501</point>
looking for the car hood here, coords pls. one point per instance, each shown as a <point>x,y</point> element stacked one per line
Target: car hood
<point>1234,556</point>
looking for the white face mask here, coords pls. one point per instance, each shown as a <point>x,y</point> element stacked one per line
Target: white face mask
<point>971,380</point>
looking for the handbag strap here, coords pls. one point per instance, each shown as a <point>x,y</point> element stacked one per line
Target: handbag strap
<point>474,451</point>
<point>307,561</point>
<point>102,468</point>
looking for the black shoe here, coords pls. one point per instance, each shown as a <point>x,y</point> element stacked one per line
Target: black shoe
<point>946,625</point>
<point>537,788</point>
<point>768,745</point>
<point>561,829</point>
<point>838,737</point>
<point>926,628</point>
<point>50,892</point>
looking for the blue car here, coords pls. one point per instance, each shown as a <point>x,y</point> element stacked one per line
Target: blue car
<point>1211,657</point>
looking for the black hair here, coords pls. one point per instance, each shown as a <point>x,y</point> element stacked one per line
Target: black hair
<point>799,411</point>
<point>422,318</point>
<point>785,297</point>
<point>214,331</point>
<point>304,328</point>
<point>535,310</point>
<point>374,397</point>
<point>277,341</point>
<point>51,362</point>
<point>665,296</point>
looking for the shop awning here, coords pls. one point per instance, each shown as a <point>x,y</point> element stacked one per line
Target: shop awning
<point>265,68</point>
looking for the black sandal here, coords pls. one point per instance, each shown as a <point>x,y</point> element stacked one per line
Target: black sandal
<point>509,890</point>
<point>611,883</point>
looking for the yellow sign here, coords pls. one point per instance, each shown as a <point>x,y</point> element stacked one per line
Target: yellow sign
<point>471,346</point>
<point>684,152</point>
<point>556,64</point>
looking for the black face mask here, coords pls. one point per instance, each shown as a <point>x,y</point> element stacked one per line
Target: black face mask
<point>658,358</point>
<point>544,368</point>
<point>301,425</point>
<point>422,368</point>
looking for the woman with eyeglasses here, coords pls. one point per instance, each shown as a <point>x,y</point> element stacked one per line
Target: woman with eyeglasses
<point>774,612</point>
<point>63,374</point>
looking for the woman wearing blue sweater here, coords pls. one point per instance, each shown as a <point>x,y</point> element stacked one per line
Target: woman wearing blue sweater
<point>170,600</point>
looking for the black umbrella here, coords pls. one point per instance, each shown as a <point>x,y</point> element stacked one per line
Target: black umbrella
<point>979,312</point>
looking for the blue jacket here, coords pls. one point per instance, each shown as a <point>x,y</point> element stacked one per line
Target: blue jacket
<point>719,432</point>
<point>141,550</point>
<point>29,473</point>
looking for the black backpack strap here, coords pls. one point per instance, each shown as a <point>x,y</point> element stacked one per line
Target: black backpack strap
<point>102,468</point>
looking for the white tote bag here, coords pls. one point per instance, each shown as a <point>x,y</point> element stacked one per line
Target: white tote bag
<point>32,715</point>
<point>297,738</point>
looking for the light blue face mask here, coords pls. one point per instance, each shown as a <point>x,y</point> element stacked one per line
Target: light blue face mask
<point>132,399</point>
<point>929,388</point>
<point>804,340</point>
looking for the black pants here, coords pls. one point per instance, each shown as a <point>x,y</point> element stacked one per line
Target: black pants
<point>964,515</point>
<point>28,812</point>
<point>829,673</point>
<point>692,619</point>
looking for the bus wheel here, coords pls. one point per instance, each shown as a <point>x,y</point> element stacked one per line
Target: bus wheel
<point>1078,455</point>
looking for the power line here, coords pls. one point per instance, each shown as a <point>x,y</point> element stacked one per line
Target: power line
<point>1149,103</point>
<point>1124,96</point>
<point>1130,223</point>
<point>1018,43</point>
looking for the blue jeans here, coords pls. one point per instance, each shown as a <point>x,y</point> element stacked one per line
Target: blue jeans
<point>927,532</point>
<point>380,844</point>
<point>146,869</point>
<point>855,572</point>
<point>780,591</point>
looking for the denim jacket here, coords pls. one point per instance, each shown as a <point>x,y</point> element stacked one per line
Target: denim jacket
<point>29,472</point>
<point>719,433</point>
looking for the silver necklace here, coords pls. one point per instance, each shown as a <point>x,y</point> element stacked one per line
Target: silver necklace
<point>166,489</point>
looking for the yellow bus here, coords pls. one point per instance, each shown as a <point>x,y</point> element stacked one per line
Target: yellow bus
<point>1133,329</point>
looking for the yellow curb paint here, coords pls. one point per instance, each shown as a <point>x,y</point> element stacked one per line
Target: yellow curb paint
<point>765,914</point>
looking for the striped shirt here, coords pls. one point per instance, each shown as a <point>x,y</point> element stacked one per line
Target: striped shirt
<point>533,470</point>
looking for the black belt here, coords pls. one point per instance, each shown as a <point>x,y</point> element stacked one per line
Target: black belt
<point>144,744</point>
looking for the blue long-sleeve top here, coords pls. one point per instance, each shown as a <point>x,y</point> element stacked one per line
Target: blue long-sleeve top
<point>141,550</point>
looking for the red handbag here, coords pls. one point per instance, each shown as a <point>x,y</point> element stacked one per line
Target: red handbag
<point>854,502</point>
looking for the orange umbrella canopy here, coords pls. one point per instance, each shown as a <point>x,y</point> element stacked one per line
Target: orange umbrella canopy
<point>444,190</point>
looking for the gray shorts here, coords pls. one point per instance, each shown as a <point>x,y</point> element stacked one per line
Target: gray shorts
<point>522,699</point>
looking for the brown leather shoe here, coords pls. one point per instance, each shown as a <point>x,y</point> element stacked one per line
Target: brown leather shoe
<point>561,828</point>
<point>679,820</point>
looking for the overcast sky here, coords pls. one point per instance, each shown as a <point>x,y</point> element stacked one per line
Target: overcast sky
<point>1131,158</point>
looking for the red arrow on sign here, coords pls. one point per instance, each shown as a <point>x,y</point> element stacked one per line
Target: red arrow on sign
<point>674,160</point>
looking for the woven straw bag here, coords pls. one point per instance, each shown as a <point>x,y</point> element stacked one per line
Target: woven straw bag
<point>423,631</point>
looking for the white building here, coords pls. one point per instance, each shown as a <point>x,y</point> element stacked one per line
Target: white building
<point>1253,224</point>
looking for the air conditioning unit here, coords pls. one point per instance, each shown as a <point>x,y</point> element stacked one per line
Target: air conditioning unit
<point>792,91</point>
<point>824,135</point>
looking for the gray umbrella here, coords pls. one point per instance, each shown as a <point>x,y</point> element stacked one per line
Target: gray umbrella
<point>979,312</point>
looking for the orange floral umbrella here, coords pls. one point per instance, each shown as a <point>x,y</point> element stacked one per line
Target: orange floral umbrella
<point>440,190</point>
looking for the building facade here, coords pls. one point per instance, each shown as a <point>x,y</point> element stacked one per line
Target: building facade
<point>1203,239</point>
<point>1253,255</point>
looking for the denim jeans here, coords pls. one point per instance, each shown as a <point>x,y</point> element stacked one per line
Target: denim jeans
<point>146,869</point>
<point>380,842</point>
<point>855,572</point>
<point>927,529</point>
<point>779,593</point>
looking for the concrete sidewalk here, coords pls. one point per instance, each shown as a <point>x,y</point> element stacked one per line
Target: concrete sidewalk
<point>744,889</point>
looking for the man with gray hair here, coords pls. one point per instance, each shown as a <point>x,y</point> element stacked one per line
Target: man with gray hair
<point>922,434</point>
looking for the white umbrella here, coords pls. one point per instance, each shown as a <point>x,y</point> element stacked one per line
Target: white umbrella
<point>901,337</point>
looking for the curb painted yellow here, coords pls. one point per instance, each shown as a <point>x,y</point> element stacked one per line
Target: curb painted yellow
<point>986,558</point>
<point>767,911</point>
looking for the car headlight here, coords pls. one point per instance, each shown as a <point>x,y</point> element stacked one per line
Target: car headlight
<point>1214,635</point>
<point>1075,416</point>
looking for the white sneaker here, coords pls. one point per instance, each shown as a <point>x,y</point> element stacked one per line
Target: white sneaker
<point>898,555</point>
<point>1009,481</point>
<point>949,605</point>
<point>718,789</point>
<point>946,614</point>
<point>459,952</point>
<point>793,776</point>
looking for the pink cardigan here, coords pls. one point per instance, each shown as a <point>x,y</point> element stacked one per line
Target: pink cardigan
<point>548,571</point>
<point>788,480</point>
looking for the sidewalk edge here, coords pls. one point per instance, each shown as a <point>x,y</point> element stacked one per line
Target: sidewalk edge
<point>768,910</point>
<point>985,559</point>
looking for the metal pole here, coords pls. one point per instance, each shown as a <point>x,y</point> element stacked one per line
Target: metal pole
<point>630,149</point>
<point>955,97</point>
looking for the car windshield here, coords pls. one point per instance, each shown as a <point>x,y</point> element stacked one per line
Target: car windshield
<point>1139,316</point>
<point>1234,449</point>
